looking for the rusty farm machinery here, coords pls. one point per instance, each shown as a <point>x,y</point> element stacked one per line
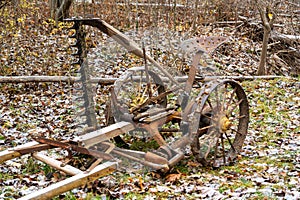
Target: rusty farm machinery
<point>211,117</point>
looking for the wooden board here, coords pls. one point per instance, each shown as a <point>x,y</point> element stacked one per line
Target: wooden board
<point>13,153</point>
<point>72,182</point>
<point>68,169</point>
<point>106,133</point>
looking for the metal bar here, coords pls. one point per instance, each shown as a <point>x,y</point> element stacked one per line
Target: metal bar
<point>21,150</point>
<point>76,148</point>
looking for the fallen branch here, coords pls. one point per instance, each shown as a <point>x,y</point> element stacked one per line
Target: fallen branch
<point>243,78</point>
<point>110,81</point>
<point>220,23</point>
<point>69,79</point>
<point>289,39</point>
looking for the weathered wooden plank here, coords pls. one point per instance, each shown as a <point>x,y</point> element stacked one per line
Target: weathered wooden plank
<point>13,153</point>
<point>68,169</point>
<point>8,155</point>
<point>72,182</point>
<point>106,133</point>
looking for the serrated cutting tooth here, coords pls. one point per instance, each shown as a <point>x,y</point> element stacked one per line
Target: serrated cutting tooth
<point>83,88</point>
<point>74,35</point>
<point>81,125</point>
<point>78,98</point>
<point>76,44</point>
<point>77,62</point>
<point>77,53</point>
<point>80,88</point>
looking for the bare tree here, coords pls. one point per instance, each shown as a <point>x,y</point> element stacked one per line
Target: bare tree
<point>60,9</point>
<point>267,14</point>
<point>3,3</point>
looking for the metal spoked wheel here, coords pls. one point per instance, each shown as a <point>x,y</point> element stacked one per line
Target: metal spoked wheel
<point>223,116</point>
<point>136,92</point>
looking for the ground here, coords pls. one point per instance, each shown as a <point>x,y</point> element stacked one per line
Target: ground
<point>268,167</point>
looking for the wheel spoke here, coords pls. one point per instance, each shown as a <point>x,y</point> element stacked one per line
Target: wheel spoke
<point>237,118</point>
<point>231,145</point>
<point>208,117</point>
<point>231,98</point>
<point>216,152</point>
<point>224,98</point>
<point>234,107</point>
<point>223,148</point>
<point>210,105</point>
<point>236,131</point>
<point>204,128</point>
<point>217,98</point>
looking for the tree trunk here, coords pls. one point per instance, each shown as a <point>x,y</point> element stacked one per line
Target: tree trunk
<point>263,56</point>
<point>63,11</point>
<point>267,17</point>
<point>59,9</point>
<point>53,7</point>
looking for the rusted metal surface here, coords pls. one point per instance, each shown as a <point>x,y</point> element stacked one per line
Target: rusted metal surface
<point>218,119</point>
<point>88,116</point>
<point>74,147</point>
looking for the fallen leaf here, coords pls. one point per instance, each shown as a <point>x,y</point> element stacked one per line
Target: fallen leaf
<point>173,177</point>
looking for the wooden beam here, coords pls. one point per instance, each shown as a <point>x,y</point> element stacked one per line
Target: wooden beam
<point>8,155</point>
<point>106,133</point>
<point>68,169</point>
<point>72,182</point>
<point>13,152</point>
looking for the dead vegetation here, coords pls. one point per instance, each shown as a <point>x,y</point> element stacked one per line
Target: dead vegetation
<point>33,44</point>
<point>26,30</point>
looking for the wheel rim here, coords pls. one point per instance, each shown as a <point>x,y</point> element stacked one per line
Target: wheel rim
<point>222,121</point>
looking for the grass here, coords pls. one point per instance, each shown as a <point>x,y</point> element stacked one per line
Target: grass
<point>270,117</point>
<point>271,114</point>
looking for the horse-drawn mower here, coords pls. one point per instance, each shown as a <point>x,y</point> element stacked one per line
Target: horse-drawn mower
<point>148,105</point>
